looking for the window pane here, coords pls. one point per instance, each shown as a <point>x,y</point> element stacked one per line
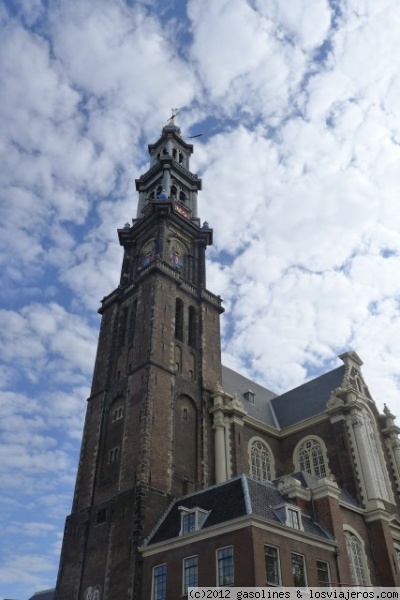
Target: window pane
<point>225,566</point>
<point>160,582</point>
<point>323,573</point>
<point>293,518</point>
<point>357,563</point>
<point>271,565</point>
<point>298,570</point>
<point>188,522</point>
<point>311,458</point>
<point>260,462</point>
<point>190,568</point>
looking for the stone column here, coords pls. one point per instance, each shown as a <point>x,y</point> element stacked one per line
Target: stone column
<point>220,450</point>
<point>364,459</point>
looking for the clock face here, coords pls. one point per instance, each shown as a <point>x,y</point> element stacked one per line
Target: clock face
<point>182,211</point>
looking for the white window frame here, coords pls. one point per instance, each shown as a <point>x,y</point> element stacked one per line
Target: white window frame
<point>293,518</point>
<point>263,443</point>
<point>296,455</point>
<point>350,532</point>
<point>200,515</point>
<point>185,584</point>
<point>304,567</point>
<point>153,590</point>
<point>219,584</point>
<point>325,562</point>
<point>278,560</point>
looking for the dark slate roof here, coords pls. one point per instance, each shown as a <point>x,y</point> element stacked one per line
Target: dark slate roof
<point>228,501</point>
<point>45,595</point>
<point>306,400</point>
<point>265,500</point>
<point>234,383</point>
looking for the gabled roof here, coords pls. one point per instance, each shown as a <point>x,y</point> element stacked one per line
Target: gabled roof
<point>306,400</point>
<point>235,383</point>
<point>228,501</point>
<point>303,402</point>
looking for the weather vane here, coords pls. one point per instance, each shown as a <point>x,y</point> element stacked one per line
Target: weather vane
<point>174,113</point>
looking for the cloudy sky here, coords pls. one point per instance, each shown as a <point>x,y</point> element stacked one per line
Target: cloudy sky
<point>298,103</point>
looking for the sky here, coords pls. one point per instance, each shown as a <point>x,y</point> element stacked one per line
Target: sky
<point>298,104</point>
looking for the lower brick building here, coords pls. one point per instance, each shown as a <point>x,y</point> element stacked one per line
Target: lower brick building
<point>192,474</point>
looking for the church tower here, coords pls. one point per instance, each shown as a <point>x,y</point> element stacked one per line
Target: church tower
<point>147,436</point>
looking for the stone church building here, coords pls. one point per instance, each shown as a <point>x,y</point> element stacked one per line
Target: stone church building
<point>191,474</point>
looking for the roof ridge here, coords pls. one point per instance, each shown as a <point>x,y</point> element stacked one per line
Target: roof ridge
<point>307,382</point>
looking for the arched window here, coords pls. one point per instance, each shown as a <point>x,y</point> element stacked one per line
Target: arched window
<point>260,461</point>
<point>310,456</point>
<point>179,319</point>
<point>174,190</point>
<point>358,563</point>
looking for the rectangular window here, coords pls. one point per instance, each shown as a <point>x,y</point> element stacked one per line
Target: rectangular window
<point>113,455</point>
<point>272,571</point>
<point>298,570</point>
<point>188,522</point>
<point>190,573</point>
<point>118,413</point>
<point>192,520</point>
<point>159,582</point>
<point>323,573</point>
<point>225,572</point>
<point>101,516</point>
<point>293,518</point>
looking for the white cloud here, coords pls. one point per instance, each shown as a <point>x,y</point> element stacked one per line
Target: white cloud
<point>300,184</point>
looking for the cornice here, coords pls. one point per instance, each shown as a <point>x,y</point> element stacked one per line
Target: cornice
<point>231,527</point>
<point>287,431</point>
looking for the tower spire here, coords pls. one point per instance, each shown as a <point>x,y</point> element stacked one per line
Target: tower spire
<point>169,178</point>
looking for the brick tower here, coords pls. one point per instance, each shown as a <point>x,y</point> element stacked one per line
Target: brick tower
<point>147,436</point>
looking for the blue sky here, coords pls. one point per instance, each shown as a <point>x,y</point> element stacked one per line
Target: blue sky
<point>298,104</point>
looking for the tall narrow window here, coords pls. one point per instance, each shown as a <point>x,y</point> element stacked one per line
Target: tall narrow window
<point>293,518</point>
<point>132,321</point>
<point>123,315</point>
<point>260,461</point>
<point>311,458</point>
<point>357,560</point>
<point>272,571</point>
<point>323,573</point>
<point>188,522</point>
<point>179,319</point>
<point>190,573</point>
<point>159,582</point>
<point>298,570</point>
<point>192,327</point>
<point>225,566</point>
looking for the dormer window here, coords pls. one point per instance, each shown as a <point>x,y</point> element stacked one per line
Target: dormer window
<point>250,396</point>
<point>293,518</point>
<point>290,515</point>
<point>192,519</point>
